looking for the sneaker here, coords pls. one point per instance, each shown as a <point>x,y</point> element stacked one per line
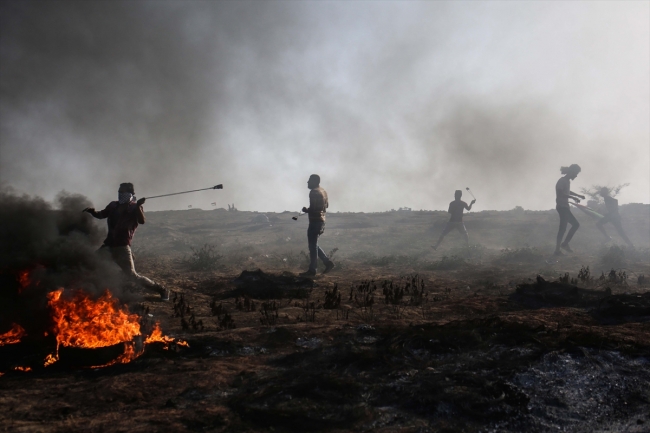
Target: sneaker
<point>164,292</point>
<point>566,247</point>
<point>558,253</point>
<point>328,267</point>
<point>309,273</point>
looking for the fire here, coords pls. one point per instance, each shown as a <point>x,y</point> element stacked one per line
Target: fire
<point>23,369</point>
<point>12,336</point>
<point>158,337</point>
<point>23,280</point>
<point>83,322</point>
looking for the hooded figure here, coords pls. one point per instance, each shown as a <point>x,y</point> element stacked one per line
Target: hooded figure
<point>124,216</point>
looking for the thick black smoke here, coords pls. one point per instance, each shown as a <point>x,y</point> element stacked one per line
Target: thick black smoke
<point>56,245</point>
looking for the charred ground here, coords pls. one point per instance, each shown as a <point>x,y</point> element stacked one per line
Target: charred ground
<point>397,338</point>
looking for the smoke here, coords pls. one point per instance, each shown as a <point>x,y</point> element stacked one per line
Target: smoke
<point>55,244</point>
<point>393,104</point>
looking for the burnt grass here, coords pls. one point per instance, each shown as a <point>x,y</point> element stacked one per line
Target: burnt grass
<point>489,346</point>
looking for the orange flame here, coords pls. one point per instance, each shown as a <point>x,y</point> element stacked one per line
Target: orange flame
<point>23,369</point>
<point>12,336</point>
<point>83,322</point>
<point>158,337</point>
<point>23,280</point>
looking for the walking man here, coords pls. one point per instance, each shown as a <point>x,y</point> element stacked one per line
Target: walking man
<point>124,215</point>
<point>456,209</point>
<point>562,195</point>
<point>318,204</point>
<point>612,217</point>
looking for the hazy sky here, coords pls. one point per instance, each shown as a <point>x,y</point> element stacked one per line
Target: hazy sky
<point>392,103</point>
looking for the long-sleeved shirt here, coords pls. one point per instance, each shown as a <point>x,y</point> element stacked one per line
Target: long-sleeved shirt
<point>318,204</point>
<point>123,220</point>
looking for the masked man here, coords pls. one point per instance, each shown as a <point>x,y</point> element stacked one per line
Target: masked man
<point>318,204</point>
<point>124,215</point>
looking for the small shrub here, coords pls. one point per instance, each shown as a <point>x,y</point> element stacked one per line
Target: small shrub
<point>269,313</point>
<point>204,258</point>
<point>226,322</point>
<point>362,296</point>
<point>332,298</point>
<point>567,280</point>
<point>309,312</point>
<point>245,304</point>
<point>584,275</point>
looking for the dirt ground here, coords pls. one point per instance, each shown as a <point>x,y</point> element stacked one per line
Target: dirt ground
<point>494,337</point>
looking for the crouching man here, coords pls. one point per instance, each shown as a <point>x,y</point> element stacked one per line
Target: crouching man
<point>124,215</point>
<point>318,204</point>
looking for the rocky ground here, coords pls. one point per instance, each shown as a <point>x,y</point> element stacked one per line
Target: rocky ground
<point>397,338</point>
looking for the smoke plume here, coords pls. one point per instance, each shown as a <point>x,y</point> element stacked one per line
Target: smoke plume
<point>393,104</point>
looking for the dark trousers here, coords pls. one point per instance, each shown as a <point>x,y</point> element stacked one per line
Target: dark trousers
<point>616,222</point>
<point>566,217</point>
<point>313,232</point>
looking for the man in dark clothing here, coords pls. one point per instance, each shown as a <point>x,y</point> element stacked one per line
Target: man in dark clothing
<point>612,217</point>
<point>562,195</point>
<point>318,204</point>
<point>456,209</point>
<point>124,216</point>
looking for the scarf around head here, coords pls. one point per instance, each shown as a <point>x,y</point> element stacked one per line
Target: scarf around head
<point>124,197</point>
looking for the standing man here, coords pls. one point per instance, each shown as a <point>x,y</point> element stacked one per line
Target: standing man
<point>456,209</point>
<point>612,217</point>
<point>562,195</point>
<point>318,204</point>
<point>124,215</point>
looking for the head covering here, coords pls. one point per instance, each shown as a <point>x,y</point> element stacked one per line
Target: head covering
<point>315,179</point>
<point>127,187</point>
<point>124,197</point>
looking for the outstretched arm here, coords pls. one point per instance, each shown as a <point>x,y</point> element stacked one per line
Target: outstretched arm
<point>470,205</point>
<point>141,211</point>
<point>573,194</point>
<point>99,215</point>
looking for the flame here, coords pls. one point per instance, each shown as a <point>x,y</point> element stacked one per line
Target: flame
<point>158,337</point>
<point>12,336</point>
<point>23,369</point>
<point>85,323</point>
<point>82,322</point>
<point>23,280</point>
<point>51,359</point>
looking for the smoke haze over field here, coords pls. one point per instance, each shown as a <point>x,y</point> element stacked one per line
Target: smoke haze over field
<point>393,104</point>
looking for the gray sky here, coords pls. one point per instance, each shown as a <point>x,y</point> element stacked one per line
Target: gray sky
<point>392,103</point>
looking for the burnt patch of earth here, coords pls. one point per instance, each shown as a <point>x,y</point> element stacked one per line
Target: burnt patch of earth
<point>542,293</point>
<point>261,285</point>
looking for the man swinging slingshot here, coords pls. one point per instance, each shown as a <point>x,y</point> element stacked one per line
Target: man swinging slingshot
<point>124,216</point>
<point>456,209</point>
